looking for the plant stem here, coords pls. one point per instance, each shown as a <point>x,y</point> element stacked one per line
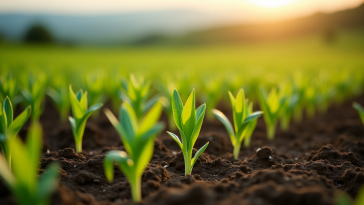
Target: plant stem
<point>78,146</point>
<point>136,192</point>
<point>271,129</point>
<point>187,164</point>
<point>237,150</point>
<point>285,123</point>
<point>247,141</point>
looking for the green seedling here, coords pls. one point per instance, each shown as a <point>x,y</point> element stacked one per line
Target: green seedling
<point>360,110</point>
<point>61,100</point>
<point>23,179</point>
<point>189,122</point>
<point>9,88</point>
<point>244,120</point>
<point>271,105</point>
<point>212,94</point>
<point>136,93</point>
<point>34,93</point>
<point>138,140</point>
<point>292,99</point>
<point>95,86</point>
<point>80,114</point>
<point>9,127</point>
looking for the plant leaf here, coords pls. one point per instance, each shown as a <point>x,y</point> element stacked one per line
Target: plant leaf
<point>197,128</point>
<point>20,121</point>
<point>239,109</point>
<point>175,137</point>
<point>127,140</point>
<point>6,174</point>
<point>150,118</point>
<point>150,103</point>
<point>177,108</point>
<point>198,153</point>
<point>360,110</point>
<point>48,181</point>
<point>8,111</point>
<point>77,110</point>
<point>189,116</point>
<point>128,120</point>
<point>200,110</point>
<point>121,158</point>
<point>225,121</point>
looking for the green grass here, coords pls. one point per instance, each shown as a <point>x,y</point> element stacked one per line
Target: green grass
<point>308,53</point>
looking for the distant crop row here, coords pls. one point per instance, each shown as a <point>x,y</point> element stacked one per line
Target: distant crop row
<point>142,101</point>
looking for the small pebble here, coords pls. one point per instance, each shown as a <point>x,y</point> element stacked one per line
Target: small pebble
<point>270,157</point>
<point>296,158</point>
<point>174,153</point>
<point>48,152</point>
<point>91,153</point>
<point>75,165</point>
<point>103,190</point>
<point>306,154</point>
<point>258,150</point>
<point>165,166</point>
<point>96,180</point>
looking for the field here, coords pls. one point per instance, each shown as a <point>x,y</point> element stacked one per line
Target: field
<point>305,148</point>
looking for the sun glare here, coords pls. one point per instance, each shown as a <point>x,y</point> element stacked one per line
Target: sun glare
<point>271,3</point>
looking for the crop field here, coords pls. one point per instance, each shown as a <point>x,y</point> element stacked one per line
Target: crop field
<point>258,123</point>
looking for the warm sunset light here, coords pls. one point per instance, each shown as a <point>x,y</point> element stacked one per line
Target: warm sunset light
<point>272,3</point>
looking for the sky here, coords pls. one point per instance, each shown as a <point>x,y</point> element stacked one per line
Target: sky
<point>239,10</point>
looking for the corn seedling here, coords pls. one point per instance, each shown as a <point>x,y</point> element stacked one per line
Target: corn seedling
<point>34,93</point>
<point>189,122</point>
<point>288,107</point>
<point>22,179</point>
<point>212,94</point>
<point>9,88</point>
<point>138,140</point>
<point>10,127</point>
<point>251,126</point>
<point>61,100</point>
<point>360,110</point>
<point>95,87</point>
<point>271,105</point>
<point>79,107</point>
<point>243,120</point>
<point>136,92</point>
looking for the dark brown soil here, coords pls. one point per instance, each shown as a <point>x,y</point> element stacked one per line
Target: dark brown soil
<point>309,164</point>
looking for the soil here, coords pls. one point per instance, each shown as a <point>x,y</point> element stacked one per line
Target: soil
<point>311,163</point>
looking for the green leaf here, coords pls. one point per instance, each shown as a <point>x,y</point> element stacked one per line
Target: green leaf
<point>8,111</point>
<point>34,147</point>
<point>77,110</point>
<point>79,95</point>
<point>200,110</point>
<point>121,158</point>
<point>151,118</point>
<point>150,103</point>
<point>6,174</point>
<point>197,128</point>
<point>189,115</point>
<point>239,109</point>
<point>54,95</point>
<point>198,153</point>
<point>232,100</point>
<point>175,137</point>
<point>360,109</point>
<point>253,116</point>
<point>127,140</point>
<point>128,120</point>
<point>360,196</point>
<point>177,108</point>
<point>19,121</point>
<point>225,121</point>
<point>48,181</point>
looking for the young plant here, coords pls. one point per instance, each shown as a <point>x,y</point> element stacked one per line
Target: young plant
<point>10,127</point>
<point>34,93</point>
<point>138,140</point>
<point>23,179</point>
<point>136,93</point>
<point>61,100</point>
<point>212,94</point>
<point>251,126</point>
<point>344,199</point>
<point>80,114</point>
<point>360,110</point>
<point>189,122</point>
<point>243,120</point>
<point>292,100</point>
<point>271,105</point>
<point>9,88</point>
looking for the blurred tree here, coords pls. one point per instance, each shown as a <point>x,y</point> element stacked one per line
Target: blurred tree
<point>38,34</point>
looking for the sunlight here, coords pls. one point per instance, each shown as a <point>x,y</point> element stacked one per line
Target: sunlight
<point>271,3</point>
